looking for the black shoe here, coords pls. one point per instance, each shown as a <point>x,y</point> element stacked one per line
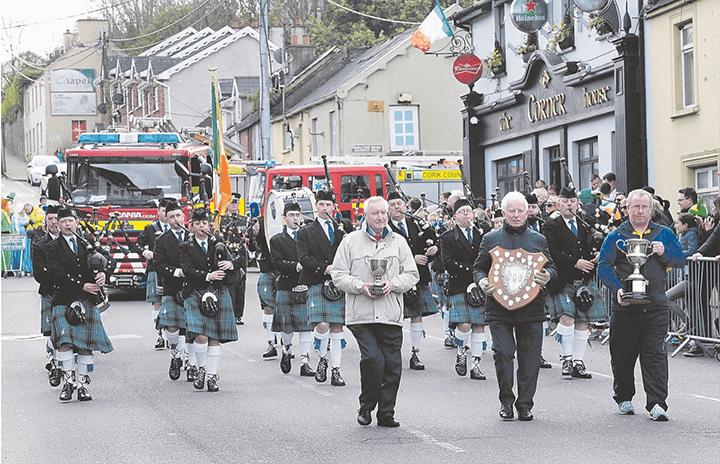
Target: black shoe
<point>364,418</point>
<point>239,321</point>
<point>271,352</point>
<point>475,372</point>
<point>506,412</point>
<point>544,364</point>
<point>524,414</point>
<point>190,373</point>
<point>67,392</point>
<point>579,371</point>
<point>415,363</point>
<point>160,343</point>
<point>388,421</point>
<point>567,366</point>
<point>212,381</point>
<point>335,379</point>
<point>461,364</point>
<point>83,394</point>
<point>321,372</point>
<point>175,365</point>
<point>285,364</point>
<point>55,375</point>
<point>306,370</point>
<point>199,382</point>
<point>449,343</point>
<point>694,352</point>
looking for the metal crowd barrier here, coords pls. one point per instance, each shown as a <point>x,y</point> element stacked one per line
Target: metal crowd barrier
<point>12,242</point>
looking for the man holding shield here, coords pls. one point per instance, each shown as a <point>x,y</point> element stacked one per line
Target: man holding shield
<point>515,313</point>
<point>638,325</point>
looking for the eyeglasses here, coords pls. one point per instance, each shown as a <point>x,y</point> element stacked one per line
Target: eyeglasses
<point>640,208</point>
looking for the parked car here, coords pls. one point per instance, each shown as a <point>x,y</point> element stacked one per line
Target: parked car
<point>36,168</point>
<point>62,167</point>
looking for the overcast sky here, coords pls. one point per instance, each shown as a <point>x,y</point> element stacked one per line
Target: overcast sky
<point>45,20</point>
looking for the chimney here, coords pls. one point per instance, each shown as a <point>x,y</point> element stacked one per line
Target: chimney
<point>234,24</point>
<point>68,39</point>
<point>299,33</point>
<point>254,24</point>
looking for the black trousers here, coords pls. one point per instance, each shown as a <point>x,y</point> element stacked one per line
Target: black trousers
<point>640,333</point>
<point>237,294</point>
<point>526,339</point>
<point>380,366</point>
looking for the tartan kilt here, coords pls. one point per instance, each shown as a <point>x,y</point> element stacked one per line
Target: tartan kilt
<point>320,309</point>
<point>266,289</point>
<point>171,314</point>
<point>461,312</point>
<point>562,304</point>
<point>46,312</point>
<point>289,317</point>
<point>89,335</point>
<point>425,304</point>
<point>152,295</point>
<point>221,327</point>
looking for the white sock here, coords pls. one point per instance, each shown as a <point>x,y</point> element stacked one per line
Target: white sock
<point>336,348</point>
<point>201,353</point>
<point>416,333</point>
<point>463,338</point>
<point>213,359</point>
<point>84,367</point>
<point>305,343</point>
<point>446,320</point>
<point>323,339</point>
<point>286,340</point>
<point>67,361</point>
<point>477,344</point>
<point>267,323</point>
<point>545,329</point>
<point>190,349</point>
<point>580,343</point>
<point>173,337</point>
<point>566,339</point>
<point>155,315</point>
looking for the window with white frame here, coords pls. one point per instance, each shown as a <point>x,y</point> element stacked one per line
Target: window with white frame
<point>404,128</point>
<point>588,160</point>
<point>156,98</point>
<point>687,63</point>
<point>706,184</point>
<point>334,134</point>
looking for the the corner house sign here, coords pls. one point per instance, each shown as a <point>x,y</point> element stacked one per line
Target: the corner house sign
<point>511,272</point>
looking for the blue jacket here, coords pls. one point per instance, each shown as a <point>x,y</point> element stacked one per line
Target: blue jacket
<point>689,241</point>
<point>614,267</point>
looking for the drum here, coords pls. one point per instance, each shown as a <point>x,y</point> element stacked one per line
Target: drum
<point>275,204</point>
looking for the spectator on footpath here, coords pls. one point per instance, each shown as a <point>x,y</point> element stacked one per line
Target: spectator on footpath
<point>21,258</point>
<point>36,218</point>
<point>610,178</point>
<point>687,232</point>
<point>595,182</point>
<point>687,197</point>
<point>7,229</point>
<point>43,203</point>
<point>541,184</point>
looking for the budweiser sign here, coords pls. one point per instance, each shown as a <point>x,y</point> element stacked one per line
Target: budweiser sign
<point>467,68</point>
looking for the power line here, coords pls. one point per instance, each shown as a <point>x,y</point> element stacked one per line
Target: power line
<point>373,17</point>
<point>166,27</point>
<point>15,26</point>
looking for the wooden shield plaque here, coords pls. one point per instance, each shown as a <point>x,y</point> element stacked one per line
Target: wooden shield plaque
<point>511,273</point>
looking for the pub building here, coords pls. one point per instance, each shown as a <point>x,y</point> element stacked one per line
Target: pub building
<point>576,98</point>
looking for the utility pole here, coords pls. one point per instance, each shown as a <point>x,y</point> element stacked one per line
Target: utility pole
<point>265,139</point>
<point>105,74</point>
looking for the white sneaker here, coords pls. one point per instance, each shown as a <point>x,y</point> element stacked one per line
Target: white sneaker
<point>658,414</point>
<point>626,408</point>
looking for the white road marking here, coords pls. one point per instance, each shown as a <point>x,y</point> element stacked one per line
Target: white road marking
<point>705,397</point>
<point>434,441</point>
<point>22,338</point>
<point>119,336</point>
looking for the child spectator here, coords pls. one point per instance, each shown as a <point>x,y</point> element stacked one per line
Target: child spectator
<point>686,227</point>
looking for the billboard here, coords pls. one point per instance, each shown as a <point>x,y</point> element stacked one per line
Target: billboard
<point>72,80</point>
<point>73,103</point>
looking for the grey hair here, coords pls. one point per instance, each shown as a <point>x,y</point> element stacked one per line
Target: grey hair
<point>514,196</point>
<point>639,193</point>
<point>376,200</point>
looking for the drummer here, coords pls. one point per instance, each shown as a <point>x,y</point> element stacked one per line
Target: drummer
<point>290,316</point>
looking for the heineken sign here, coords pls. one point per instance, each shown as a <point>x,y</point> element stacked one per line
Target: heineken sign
<point>529,15</point>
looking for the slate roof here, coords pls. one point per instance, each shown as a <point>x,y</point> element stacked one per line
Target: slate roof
<point>247,84</point>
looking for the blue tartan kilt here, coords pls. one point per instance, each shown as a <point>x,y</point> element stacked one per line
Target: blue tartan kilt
<point>289,317</point>
<point>461,312</point>
<point>266,289</point>
<point>152,295</point>
<point>562,304</point>
<point>320,309</point>
<point>46,312</point>
<point>425,304</point>
<point>221,327</point>
<point>89,335</point>
<point>171,314</point>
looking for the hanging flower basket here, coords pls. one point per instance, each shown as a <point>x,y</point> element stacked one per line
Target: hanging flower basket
<point>496,62</point>
<point>564,37</point>
<point>530,45</point>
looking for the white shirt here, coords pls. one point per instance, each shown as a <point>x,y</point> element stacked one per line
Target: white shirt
<point>404,225</point>
<point>324,223</point>
<point>567,222</point>
<point>70,244</point>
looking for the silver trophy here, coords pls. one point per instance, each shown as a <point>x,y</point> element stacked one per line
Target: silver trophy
<point>378,268</point>
<point>637,251</point>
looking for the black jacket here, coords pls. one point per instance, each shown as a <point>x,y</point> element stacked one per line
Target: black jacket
<point>565,250</point>
<point>70,271</point>
<point>259,244</point>
<point>284,254</point>
<point>167,260</point>
<point>196,264</point>
<point>315,252</point>
<point>511,238</point>
<point>711,247</point>
<point>458,256</point>
<point>146,239</point>
<point>41,267</point>
<point>417,245</point>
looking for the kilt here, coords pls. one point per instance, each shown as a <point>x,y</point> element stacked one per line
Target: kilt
<point>425,304</point>
<point>562,304</point>
<point>320,309</point>
<point>289,317</point>
<point>266,289</point>
<point>152,295</point>
<point>221,327</point>
<point>89,336</point>
<point>46,312</point>
<point>461,312</point>
<point>171,314</point>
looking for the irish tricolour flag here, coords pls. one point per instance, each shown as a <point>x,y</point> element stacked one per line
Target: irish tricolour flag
<point>434,27</point>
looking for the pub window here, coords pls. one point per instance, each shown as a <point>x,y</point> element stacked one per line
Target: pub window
<point>706,184</point>
<point>687,64</point>
<point>588,161</point>
<point>509,173</point>
<point>500,24</point>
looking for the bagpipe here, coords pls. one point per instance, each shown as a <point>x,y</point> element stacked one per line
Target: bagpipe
<point>330,290</point>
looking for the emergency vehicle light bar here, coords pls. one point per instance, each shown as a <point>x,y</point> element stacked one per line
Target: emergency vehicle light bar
<point>133,137</point>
